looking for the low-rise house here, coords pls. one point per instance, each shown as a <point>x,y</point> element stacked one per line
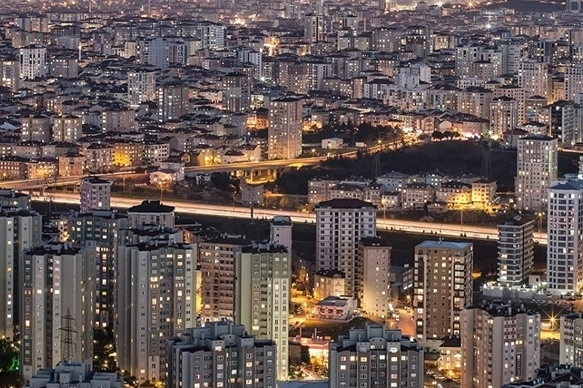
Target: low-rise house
<point>393,181</point>
<point>417,195</point>
<point>335,308</point>
<point>329,282</point>
<point>483,192</point>
<point>454,193</point>
<point>390,200</point>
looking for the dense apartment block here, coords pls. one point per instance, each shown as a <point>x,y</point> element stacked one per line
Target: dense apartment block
<point>95,194</point>
<point>285,128</point>
<point>56,307</point>
<point>442,286</point>
<point>564,247</point>
<point>515,251</point>
<point>262,297</point>
<point>500,344</point>
<point>157,303</point>
<point>217,257</point>
<point>373,287</point>
<point>220,354</point>
<point>536,168</point>
<point>99,231</point>
<point>20,230</point>
<point>375,356</point>
<point>340,225</point>
<point>571,339</point>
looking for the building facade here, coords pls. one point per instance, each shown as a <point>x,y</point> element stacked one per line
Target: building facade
<point>95,194</point>
<point>500,345</point>
<point>262,297</point>
<point>564,228</point>
<point>515,251</point>
<point>156,302</point>
<point>220,354</point>
<point>536,168</point>
<point>285,128</point>
<point>56,307</point>
<point>442,286</point>
<point>340,225</point>
<point>373,287</point>
<point>375,356</point>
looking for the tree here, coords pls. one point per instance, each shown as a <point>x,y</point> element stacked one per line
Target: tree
<point>437,135</point>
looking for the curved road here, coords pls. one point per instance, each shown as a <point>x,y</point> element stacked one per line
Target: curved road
<point>449,230</point>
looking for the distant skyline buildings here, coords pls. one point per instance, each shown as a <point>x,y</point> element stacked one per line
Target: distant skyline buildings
<point>156,93</point>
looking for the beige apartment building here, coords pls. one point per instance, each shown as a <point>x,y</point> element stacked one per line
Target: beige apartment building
<point>372,280</point>
<point>442,286</point>
<point>500,345</point>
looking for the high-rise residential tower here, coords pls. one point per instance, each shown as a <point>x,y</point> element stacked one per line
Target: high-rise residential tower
<point>375,357</point>
<point>263,286</point>
<point>95,194</point>
<point>340,225</point>
<point>221,354</point>
<point>500,344</point>
<point>285,128</point>
<point>536,168</point>
<point>515,250</point>
<point>56,307</point>
<point>564,241</point>
<point>443,286</point>
<point>155,302</point>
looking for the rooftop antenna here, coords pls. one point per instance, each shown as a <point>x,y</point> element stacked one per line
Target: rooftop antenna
<point>68,342</point>
<point>149,7</point>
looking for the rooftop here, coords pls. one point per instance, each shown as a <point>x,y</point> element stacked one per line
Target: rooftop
<point>444,244</point>
<point>149,206</point>
<point>345,203</point>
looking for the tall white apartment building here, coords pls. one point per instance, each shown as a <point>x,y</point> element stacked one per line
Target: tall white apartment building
<point>442,286</point>
<point>56,282</point>
<point>564,243</point>
<point>285,128</point>
<point>221,354</point>
<point>515,250</point>
<point>536,168</point>
<point>262,297</point>
<point>216,259</point>
<point>533,77</point>
<point>20,230</point>
<point>375,357</point>
<point>500,345</point>
<point>155,302</point>
<point>571,339</point>
<point>33,62</point>
<point>340,225</point>
<point>141,86</point>
<point>280,232</point>
<point>373,288</point>
<point>573,81</point>
<point>95,194</point>
<point>151,213</point>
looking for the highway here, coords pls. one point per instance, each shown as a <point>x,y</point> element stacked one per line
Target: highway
<point>437,229</point>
